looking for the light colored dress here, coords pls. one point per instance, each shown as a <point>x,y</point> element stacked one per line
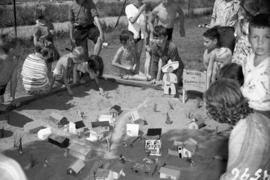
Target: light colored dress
<point>256,86</point>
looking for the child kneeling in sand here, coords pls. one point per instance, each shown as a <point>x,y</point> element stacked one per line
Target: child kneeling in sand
<point>126,58</point>
<point>65,66</point>
<point>94,68</point>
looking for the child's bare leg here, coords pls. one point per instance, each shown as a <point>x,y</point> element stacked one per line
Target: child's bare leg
<point>147,64</point>
<point>137,77</point>
<point>2,100</point>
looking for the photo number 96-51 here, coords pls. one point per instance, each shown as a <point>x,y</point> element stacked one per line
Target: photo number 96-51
<point>258,175</point>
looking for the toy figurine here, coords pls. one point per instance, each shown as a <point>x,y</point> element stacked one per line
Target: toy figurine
<point>169,78</point>
<point>20,147</point>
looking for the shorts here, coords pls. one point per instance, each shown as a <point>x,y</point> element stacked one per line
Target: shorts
<point>3,89</point>
<point>169,32</point>
<point>82,33</point>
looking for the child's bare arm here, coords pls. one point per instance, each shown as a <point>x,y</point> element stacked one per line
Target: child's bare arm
<point>205,59</point>
<point>94,75</point>
<point>160,64</point>
<point>116,60</point>
<point>182,21</point>
<point>152,18</point>
<point>210,70</point>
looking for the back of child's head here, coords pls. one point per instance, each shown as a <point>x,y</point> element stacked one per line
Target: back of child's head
<point>225,102</point>
<point>260,21</point>
<point>38,47</point>
<point>95,63</point>
<point>125,36</point>
<point>232,71</point>
<point>212,34</point>
<point>159,31</point>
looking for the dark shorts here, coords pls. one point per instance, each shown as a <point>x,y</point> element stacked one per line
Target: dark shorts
<point>83,33</point>
<point>3,89</point>
<point>169,32</point>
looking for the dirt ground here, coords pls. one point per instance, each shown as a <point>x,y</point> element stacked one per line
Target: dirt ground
<point>87,99</point>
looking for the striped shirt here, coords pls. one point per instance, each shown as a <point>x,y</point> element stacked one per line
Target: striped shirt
<point>34,73</point>
<point>249,149</point>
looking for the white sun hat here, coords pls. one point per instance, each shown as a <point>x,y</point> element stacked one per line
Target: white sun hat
<point>173,64</point>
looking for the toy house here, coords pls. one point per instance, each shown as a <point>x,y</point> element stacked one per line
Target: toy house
<point>117,170</point>
<point>115,111</point>
<point>189,148</point>
<point>106,117</point>
<point>76,167</point>
<point>79,151</point>
<point>98,130</point>
<point>153,142</point>
<point>60,141</point>
<point>169,172</point>
<point>196,124</point>
<point>104,174</point>
<point>76,127</point>
<point>58,119</point>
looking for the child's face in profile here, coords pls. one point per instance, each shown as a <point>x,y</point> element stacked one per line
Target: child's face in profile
<point>259,38</point>
<point>159,41</point>
<point>209,43</point>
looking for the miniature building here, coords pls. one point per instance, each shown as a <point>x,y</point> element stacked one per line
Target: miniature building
<point>103,125</point>
<point>169,172</point>
<point>104,174</point>
<point>153,142</point>
<point>106,117</point>
<point>95,134</point>
<point>196,124</point>
<point>60,141</point>
<point>76,127</point>
<point>58,119</point>
<point>189,148</point>
<point>117,170</point>
<point>79,151</point>
<point>115,111</point>
<point>76,167</point>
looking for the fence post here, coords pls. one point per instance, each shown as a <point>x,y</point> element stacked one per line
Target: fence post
<point>15,18</point>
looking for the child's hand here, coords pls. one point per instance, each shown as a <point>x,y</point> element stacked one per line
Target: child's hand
<point>133,68</point>
<point>101,92</point>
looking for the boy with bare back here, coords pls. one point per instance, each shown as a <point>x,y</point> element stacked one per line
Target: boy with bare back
<point>8,70</point>
<point>166,13</point>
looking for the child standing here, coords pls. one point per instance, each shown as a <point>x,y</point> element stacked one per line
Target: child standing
<point>256,70</point>
<point>249,142</point>
<point>94,68</point>
<point>126,59</point>
<point>135,12</point>
<point>65,66</point>
<point>8,70</point>
<point>214,56</point>
<point>44,34</point>
<point>166,13</point>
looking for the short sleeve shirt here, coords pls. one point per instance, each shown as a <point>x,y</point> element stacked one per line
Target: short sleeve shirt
<point>169,53</point>
<point>138,28</point>
<point>82,14</point>
<point>256,86</point>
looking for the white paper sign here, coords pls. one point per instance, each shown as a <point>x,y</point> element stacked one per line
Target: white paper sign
<point>133,130</point>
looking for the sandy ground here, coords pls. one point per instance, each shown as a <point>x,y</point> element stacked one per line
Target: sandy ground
<point>88,100</point>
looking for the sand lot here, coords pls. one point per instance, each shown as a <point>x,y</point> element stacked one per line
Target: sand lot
<point>88,100</point>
